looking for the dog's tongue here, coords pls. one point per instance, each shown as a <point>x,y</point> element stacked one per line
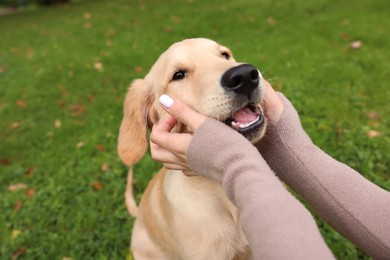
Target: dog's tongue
<point>244,116</point>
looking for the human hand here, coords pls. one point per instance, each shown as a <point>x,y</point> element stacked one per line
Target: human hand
<point>171,148</point>
<point>273,104</point>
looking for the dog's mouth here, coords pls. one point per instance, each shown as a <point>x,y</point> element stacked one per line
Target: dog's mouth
<point>246,119</point>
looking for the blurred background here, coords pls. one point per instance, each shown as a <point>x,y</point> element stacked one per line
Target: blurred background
<point>65,67</point>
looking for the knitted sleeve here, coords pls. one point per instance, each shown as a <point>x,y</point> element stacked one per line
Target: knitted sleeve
<point>354,206</point>
<point>276,224</point>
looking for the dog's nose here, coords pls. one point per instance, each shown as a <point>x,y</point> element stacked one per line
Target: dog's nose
<point>242,79</point>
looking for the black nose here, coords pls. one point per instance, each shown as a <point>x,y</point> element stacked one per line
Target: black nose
<point>242,79</point>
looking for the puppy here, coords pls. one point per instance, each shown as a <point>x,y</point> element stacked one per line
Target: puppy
<point>182,217</point>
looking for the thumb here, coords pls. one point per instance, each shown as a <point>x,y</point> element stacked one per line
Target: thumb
<point>181,112</point>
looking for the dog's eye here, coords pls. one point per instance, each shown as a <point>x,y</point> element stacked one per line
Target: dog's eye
<point>179,75</point>
<point>225,55</point>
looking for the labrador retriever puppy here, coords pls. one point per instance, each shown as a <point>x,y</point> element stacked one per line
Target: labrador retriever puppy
<point>181,217</point>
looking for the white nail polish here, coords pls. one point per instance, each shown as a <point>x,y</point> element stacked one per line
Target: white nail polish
<point>166,101</point>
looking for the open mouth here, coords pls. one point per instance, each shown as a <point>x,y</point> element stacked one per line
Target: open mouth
<point>246,119</point>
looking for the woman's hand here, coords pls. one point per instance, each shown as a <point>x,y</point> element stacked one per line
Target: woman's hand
<point>171,148</point>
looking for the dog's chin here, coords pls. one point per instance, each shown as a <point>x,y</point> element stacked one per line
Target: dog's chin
<point>249,121</point>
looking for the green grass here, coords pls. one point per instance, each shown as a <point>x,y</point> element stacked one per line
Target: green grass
<point>60,113</point>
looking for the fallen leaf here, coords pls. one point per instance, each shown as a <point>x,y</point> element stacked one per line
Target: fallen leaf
<point>168,29</point>
<point>18,252</point>
<point>175,19</point>
<point>97,185</point>
<point>372,133</point>
<point>17,187</point>
<point>15,233</point>
<point>5,162</point>
<point>100,147</point>
<point>3,68</point>
<point>29,193</point>
<point>109,43</point>
<point>373,115</point>
<point>105,167</point>
<point>87,25</point>
<point>18,205</point>
<point>271,20</point>
<point>30,53</point>
<point>20,103</point>
<point>345,36</point>
<point>98,66</point>
<point>138,69</point>
<point>91,97</point>
<point>77,109</point>
<point>15,125</point>
<point>356,44</point>
<point>57,123</point>
<point>80,144</point>
<point>111,33</point>
<point>87,16</point>
<point>29,171</point>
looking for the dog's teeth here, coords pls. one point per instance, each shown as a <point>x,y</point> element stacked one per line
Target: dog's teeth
<point>249,124</point>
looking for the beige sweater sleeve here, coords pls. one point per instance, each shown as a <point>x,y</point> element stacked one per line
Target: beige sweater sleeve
<point>354,206</point>
<point>276,224</point>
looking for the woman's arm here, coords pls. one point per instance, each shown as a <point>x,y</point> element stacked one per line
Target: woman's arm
<point>354,206</point>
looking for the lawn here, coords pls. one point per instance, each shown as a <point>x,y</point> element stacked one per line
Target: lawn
<point>64,72</point>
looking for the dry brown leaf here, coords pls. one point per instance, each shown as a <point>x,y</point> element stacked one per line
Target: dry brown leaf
<point>100,147</point>
<point>168,29</point>
<point>87,25</point>
<point>87,16</point>
<point>373,115</point>
<point>77,109</point>
<point>138,69</point>
<point>29,193</point>
<point>271,20</point>
<point>57,123</point>
<point>29,171</point>
<point>15,125</point>
<point>18,205</point>
<point>3,68</point>
<point>98,65</point>
<point>80,144</point>
<point>97,185</point>
<point>105,167</point>
<point>17,187</point>
<point>21,104</point>
<point>18,252</point>
<point>5,162</point>
<point>373,133</point>
<point>91,97</point>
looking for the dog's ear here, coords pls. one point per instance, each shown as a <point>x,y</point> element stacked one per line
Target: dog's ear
<point>138,116</point>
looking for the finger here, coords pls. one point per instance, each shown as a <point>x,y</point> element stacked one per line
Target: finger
<point>176,142</point>
<point>163,155</point>
<point>166,124</point>
<point>181,112</point>
<point>177,167</point>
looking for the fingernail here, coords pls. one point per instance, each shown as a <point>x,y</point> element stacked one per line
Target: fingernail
<point>166,101</point>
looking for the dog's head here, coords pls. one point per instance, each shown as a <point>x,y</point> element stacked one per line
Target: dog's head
<point>202,74</point>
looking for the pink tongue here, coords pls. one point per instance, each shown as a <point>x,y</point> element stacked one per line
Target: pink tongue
<point>244,116</point>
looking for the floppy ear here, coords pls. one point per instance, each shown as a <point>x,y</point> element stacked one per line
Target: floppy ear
<point>132,140</point>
